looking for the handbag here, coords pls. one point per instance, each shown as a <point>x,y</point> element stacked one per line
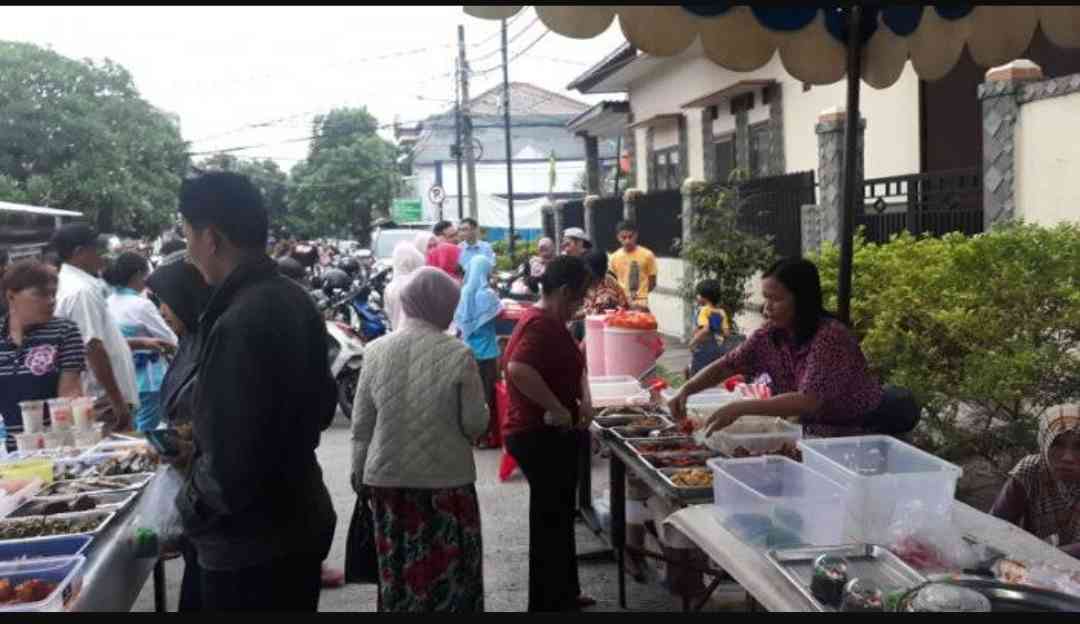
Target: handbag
<point>361,559</point>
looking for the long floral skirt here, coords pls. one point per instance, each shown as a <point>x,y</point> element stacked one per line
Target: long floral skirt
<point>429,549</point>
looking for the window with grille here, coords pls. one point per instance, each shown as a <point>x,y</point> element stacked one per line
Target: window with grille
<point>725,158</point>
<point>665,169</point>
<point>759,149</point>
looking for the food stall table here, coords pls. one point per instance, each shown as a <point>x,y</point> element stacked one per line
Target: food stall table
<point>113,577</point>
<point>750,567</point>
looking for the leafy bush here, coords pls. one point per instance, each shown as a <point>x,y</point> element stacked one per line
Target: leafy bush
<point>983,329</point>
<point>720,250</point>
<point>522,252</point>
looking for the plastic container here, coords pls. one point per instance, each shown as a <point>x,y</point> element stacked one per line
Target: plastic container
<point>54,439</point>
<point>594,345</point>
<point>28,441</point>
<point>66,572</point>
<point>60,414</point>
<point>59,546</point>
<point>774,502</point>
<point>883,475</point>
<point>82,412</point>
<point>617,390</point>
<point>781,433</point>
<point>630,351</point>
<point>33,416</point>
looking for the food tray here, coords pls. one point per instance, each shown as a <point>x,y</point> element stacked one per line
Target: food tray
<point>665,445</point>
<point>623,420</point>
<point>1009,598</point>
<point>66,572</point>
<point>117,446</point>
<point>105,518</point>
<point>107,501</point>
<point>66,452</point>
<point>627,431</point>
<point>85,466</point>
<point>55,546</point>
<point>865,561</point>
<point>686,459</point>
<point>704,492</point>
<point>780,433</point>
<point>134,481</point>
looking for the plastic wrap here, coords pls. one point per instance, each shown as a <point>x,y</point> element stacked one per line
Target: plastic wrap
<point>158,528</point>
<point>930,543</point>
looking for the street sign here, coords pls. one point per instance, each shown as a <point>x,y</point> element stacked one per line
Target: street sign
<point>436,194</point>
<point>406,210</point>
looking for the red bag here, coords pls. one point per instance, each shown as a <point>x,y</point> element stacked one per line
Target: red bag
<point>507,465</point>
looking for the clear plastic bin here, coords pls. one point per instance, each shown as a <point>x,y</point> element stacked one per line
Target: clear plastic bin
<point>883,475</point>
<point>781,433</point>
<point>616,391</point>
<point>774,502</point>
<point>38,548</point>
<point>66,572</point>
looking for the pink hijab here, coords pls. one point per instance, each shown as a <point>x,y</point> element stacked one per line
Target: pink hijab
<point>430,296</point>
<point>445,256</point>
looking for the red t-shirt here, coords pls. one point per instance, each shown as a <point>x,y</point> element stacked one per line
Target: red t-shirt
<point>546,345</point>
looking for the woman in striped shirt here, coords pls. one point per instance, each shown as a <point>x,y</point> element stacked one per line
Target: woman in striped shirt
<point>41,356</point>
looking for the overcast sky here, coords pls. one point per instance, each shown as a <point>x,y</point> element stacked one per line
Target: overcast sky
<point>223,68</point>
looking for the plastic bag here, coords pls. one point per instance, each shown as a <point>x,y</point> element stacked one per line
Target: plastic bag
<point>158,528</point>
<point>929,542</point>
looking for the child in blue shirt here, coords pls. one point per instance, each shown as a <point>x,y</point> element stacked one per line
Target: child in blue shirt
<point>713,326</point>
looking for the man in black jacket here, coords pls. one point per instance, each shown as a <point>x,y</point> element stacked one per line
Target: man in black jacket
<point>255,505</point>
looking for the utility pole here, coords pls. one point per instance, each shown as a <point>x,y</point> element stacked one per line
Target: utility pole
<point>457,144</point>
<point>470,162</point>
<point>506,127</point>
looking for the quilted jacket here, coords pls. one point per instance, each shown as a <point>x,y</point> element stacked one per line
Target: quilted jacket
<point>419,405</point>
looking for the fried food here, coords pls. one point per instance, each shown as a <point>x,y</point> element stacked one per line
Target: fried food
<point>693,478</point>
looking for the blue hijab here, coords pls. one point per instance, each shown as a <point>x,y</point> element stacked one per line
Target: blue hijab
<point>479,304</point>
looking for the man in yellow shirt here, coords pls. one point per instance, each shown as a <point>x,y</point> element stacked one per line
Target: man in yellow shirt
<point>634,266</point>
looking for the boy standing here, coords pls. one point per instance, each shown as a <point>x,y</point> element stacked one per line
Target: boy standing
<point>634,266</point>
<point>713,327</point>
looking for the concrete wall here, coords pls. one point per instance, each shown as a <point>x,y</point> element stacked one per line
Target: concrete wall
<point>892,134</point>
<point>665,302</point>
<point>695,147</point>
<point>666,135</point>
<point>642,158</point>
<point>1048,160</point>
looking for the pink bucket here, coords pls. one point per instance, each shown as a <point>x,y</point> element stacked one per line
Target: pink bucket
<point>594,345</point>
<point>631,351</point>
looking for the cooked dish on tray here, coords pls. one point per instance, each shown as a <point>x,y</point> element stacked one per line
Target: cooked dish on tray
<point>674,461</point>
<point>82,486</point>
<point>49,508</point>
<point>787,449</point>
<point>130,462</point>
<point>669,447</point>
<point>41,526</point>
<point>693,478</point>
<point>33,590</point>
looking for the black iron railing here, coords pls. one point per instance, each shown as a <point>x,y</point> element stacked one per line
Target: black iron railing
<point>659,221</point>
<point>772,207</point>
<point>607,212</point>
<point>926,203</point>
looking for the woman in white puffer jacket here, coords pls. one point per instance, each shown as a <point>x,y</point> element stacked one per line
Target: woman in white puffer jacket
<point>419,407</point>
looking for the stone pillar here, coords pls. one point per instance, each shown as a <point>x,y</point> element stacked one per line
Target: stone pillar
<point>558,209</point>
<point>999,98</point>
<point>630,200</point>
<point>742,141</point>
<point>590,215</point>
<point>650,141</point>
<point>777,162</point>
<point>707,146</point>
<point>684,150</point>
<point>592,164</point>
<point>693,194</point>
<point>830,133</point>
<point>811,229</point>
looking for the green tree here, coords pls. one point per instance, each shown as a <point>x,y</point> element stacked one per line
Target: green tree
<point>265,174</point>
<point>349,175</point>
<point>77,135</point>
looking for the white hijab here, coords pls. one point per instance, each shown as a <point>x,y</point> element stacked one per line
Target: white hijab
<point>405,261</point>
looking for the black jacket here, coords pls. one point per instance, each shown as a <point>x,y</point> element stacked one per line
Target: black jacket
<point>263,394</point>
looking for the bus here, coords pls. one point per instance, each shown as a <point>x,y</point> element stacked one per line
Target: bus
<point>26,230</point>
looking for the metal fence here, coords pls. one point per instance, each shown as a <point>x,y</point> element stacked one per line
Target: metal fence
<point>659,221</point>
<point>933,203</point>
<point>772,207</point>
<point>607,212</point>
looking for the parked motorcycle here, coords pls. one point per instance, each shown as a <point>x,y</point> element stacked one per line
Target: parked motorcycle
<point>346,355</point>
<point>512,285</point>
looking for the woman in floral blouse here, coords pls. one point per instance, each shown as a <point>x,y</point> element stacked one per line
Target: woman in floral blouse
<point>605,293</point>
<point>819,374</point>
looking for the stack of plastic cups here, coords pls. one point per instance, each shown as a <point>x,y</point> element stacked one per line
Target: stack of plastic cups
<point>83,416</point>
<point>60,413</point>
<point>33,436</point>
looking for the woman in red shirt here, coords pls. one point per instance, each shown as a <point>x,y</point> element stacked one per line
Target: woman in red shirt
<point>549,404</point>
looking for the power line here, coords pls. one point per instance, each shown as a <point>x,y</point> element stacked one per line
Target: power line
<point>299,139</point>
<point>512,39</point>
<point>513,58</point>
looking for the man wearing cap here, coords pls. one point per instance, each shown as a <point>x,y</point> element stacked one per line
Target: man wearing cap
<point>81,297</point>
<point>575,242</point>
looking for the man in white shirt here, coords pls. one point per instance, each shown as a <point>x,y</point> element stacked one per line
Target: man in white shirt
<point>81,298</point>
<point>472,246</point>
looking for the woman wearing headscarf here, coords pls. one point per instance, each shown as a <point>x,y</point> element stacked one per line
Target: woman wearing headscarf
<point>419,406</point>
<point>475,320</point>
<point>183,294</point>
<point>446,256</point>
<point>406,259</point>
<point>425,242</point>
<point>1043,491</point>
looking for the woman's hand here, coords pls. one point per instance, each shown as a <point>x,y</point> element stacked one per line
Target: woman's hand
<point>586,414</point>
<point>560,418</point>
<point>724,416</point>
<point>677,405</point>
